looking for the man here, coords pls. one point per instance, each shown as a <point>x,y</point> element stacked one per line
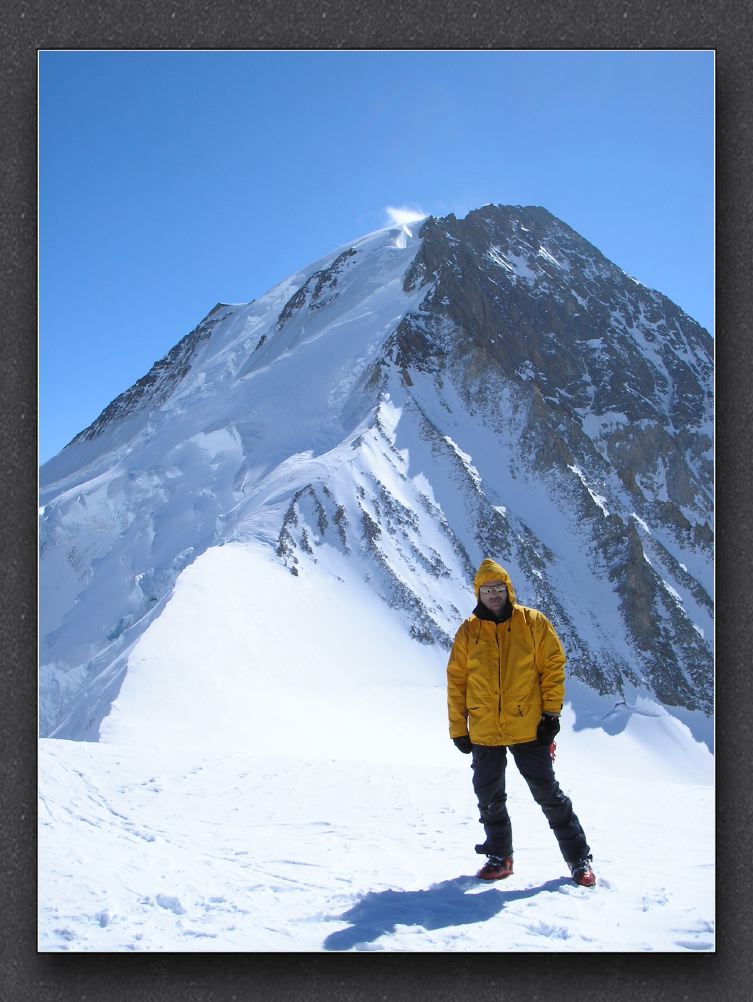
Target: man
<point>505,687</point>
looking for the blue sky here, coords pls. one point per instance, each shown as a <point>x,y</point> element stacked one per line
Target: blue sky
<point>170,181</point>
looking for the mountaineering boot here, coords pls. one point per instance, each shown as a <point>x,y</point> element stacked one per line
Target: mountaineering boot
<point>582,872</point>
<point>496,868</point>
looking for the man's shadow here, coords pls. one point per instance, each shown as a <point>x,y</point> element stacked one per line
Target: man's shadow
<point>442,905</point>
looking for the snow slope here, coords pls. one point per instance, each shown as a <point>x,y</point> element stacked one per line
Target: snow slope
<point>276,775</point>
<point>124,512</point>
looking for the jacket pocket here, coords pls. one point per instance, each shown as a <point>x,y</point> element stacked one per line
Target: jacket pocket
<point>476,723</point>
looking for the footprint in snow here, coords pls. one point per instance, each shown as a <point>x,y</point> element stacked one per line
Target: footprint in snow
<point>550,931</point>
<point>170,903</point>
<point>693,944</point>
<point>649,901</point>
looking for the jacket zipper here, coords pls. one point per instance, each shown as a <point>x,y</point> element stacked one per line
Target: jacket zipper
<point>499,668</point>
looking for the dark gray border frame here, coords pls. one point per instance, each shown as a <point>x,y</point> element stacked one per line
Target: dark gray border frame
<point>194,24</point>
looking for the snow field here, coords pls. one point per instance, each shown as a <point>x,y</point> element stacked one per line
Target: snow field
<point>173,852</point>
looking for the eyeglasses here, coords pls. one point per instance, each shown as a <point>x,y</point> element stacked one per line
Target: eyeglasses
<point>493,589</point>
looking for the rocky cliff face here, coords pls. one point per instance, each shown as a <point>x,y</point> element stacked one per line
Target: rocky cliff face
<point>528,298</point>
<point>486,386</point>
<point>610,379</point>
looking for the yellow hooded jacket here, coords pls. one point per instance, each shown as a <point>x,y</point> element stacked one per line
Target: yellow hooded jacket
<point>501,676</point>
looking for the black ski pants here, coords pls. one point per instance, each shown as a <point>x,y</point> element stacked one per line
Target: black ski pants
<point>534,763</point>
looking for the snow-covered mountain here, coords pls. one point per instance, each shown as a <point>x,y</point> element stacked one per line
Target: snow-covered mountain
<point>375,425</point>
<point>252,564</point>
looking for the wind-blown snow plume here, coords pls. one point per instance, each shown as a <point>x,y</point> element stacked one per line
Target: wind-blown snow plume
<point>404,216</point>
<point>404,219</point>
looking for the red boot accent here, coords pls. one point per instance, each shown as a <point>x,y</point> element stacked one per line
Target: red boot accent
<point>584,875</point>
<point>496,869</point>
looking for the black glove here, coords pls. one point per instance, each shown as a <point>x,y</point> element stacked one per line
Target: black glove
<point>548,728</point>
<point>463,743</point>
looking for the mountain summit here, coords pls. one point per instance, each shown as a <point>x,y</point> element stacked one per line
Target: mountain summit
<point>417,400</point>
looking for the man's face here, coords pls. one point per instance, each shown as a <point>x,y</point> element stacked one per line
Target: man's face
<point>493,595</point>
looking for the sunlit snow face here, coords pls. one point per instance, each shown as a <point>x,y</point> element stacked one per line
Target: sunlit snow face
<point>493,595</point>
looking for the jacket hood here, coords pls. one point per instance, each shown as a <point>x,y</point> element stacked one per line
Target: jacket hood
<point>492,571</point>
